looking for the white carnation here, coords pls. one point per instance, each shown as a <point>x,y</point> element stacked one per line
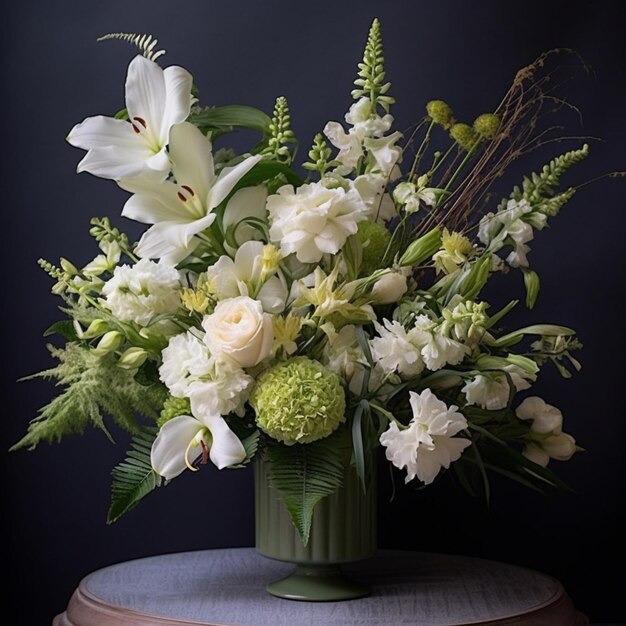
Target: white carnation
<point>137,293</point>
<point>314,220</point>
<point>214,387</point>
<point>427,444</point>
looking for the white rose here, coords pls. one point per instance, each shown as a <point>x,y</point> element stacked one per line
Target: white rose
<point>239,329</point>
<point>389,288</point>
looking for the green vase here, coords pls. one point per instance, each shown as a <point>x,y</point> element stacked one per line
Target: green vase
<point>344,530</point>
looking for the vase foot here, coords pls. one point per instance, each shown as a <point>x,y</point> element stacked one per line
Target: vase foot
<point>310,583</point>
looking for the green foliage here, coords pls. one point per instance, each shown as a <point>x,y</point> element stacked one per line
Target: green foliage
<point>303,475</point>
<point>102,231</point>
<point>224,119</point>
<point>95,386</point>
<point>371,76</point>
<point>281,134</point>
<point>539,189</point>
<point>145,43</point>
<point>133,478</point>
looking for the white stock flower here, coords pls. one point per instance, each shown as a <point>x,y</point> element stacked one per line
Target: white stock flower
<point>183,439</point>
<point>213,386</point>
<point>427,444</point>
<point>156,99</point>
<point>238,329</point>
<point>397,350</point>
<point>181,210</point>
<point>385,152</point>
<point>137,293</point>
<point>242,276</point>
<point>314,220</point>
<point>546,438</point>
<point>491,391</point>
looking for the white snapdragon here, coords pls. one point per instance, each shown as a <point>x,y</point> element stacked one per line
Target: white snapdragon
<point>363,124</point>
<point>313,220</point>
<point>240,331</point>
<point>512,223</point>
<point>213,386</point>
<point>397,350</point>
<point>546,439</point>
<point>492,391</point>
<point>437,349</point>
<point>428,444</point>
<point>138,293</point>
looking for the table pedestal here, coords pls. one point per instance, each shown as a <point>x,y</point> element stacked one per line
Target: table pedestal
<point>227,587</point>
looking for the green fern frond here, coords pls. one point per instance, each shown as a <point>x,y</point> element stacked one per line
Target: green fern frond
<point>95,386</point>
<point>538,187</point>
<point>281,134</point>
<point>134,478</point>
<point>146,43</point>
<point>371,75</point>
<point>303,475</point>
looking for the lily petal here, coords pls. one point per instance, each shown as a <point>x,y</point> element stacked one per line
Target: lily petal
<point>170,446</point>
<point>171,240</point>
<point>228,178</point>
<point>178,84</point>
<point>192,160</point>
<point>103,132</point>
<point>145,94</point>
<point>226,448</point>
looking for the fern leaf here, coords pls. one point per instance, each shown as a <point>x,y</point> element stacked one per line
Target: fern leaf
<point>133,478</point>
<point>95,386</point>
<point>146,43</point>
<point>303,474</point>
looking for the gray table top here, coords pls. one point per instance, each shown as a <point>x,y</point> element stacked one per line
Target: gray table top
<point>228,587</point>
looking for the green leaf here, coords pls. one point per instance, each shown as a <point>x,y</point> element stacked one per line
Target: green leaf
<point>545,330</point>
<point>353,256</point>
<point>532,284</point>
<point>251,446</point>
<point>65,328</point>
<point>133,478</point>
<point>303,474</point>
<point>231,116</point>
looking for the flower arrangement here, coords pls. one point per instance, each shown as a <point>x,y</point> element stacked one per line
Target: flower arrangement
<point>299,314</point>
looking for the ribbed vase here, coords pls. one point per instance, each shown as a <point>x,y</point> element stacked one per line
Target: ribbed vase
<point>343,530</point>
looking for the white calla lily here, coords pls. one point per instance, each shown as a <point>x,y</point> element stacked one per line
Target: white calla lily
<point>178,211</point>
<point>183,439</point>
<point>156,99</point>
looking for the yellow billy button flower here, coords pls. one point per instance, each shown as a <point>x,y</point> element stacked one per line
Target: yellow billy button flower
<point>456,249</point>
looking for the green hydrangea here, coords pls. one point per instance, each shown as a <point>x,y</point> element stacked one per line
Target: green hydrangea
<point>298,401</point>
<point>375,238</point>
<point>173,407</point>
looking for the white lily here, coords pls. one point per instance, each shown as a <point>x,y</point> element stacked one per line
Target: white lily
<point>156,99</point>
<point>183,439</point>
<point>246,203</point>
<point>179,211</point>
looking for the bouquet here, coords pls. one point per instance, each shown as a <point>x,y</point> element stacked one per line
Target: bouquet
<point>313,314</point>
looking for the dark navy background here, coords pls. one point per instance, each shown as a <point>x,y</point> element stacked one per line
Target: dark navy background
<point>55,74</point>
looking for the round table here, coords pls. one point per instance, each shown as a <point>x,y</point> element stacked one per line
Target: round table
<point>227,587</point>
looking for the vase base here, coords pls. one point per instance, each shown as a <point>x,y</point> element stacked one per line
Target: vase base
<point>310,583</point>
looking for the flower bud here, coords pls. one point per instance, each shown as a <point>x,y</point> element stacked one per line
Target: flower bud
<point>389,288</point>
<point>110,342</point>
<point>422,248</point>
<point>95,329</point>
<point>133,358</point>
<point>68,267</point>
<point>531,281</point>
